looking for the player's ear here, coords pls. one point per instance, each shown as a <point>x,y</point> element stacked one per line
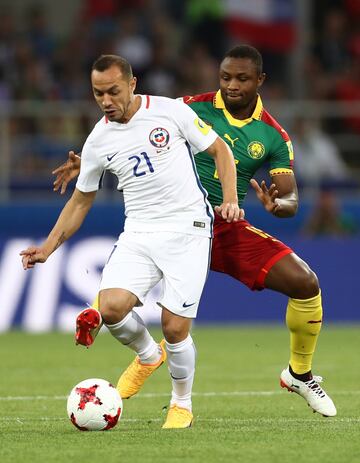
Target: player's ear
<point>132,83</point>
<point>261,79</point>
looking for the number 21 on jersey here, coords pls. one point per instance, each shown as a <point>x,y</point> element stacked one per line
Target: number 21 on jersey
<point>142,164</point>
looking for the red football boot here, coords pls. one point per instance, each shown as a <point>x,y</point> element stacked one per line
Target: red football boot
<point>88,324</point>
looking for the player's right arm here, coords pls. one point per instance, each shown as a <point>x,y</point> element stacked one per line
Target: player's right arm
<point>69,221</point>
<point>75,210</point>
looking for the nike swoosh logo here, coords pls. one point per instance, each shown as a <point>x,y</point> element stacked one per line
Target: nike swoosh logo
<point>188,305</point>
<point>109,158</point>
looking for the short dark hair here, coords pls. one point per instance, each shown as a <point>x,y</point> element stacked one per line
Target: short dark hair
<point>105,62</point>
<point>247,51</point>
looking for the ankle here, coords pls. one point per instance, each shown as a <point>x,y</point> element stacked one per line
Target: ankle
<point>301,376</point>
<point>182,403</point>
<point>151,357</point>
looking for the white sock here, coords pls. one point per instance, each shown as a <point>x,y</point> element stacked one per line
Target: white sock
<point>132,332</point>
<point>181,361</point>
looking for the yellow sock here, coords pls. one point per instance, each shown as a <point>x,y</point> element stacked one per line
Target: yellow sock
<point>95,304</point>
<point>303,318</point>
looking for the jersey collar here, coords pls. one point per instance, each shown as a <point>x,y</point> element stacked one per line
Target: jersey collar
<point>219,104</point>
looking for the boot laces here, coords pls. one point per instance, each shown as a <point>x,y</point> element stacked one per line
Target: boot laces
<point>313,384</point>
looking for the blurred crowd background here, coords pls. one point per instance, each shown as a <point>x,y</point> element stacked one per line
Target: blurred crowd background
<point>311,52</point>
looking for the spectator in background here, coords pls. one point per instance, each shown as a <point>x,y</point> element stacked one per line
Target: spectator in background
<point>7,38</point>
<point>5,91</point>
<point>333,49</point>
<point>317,157</point>
<point>160,78</point>
<point>204,74</point>
<point>133,42</point>
<point>336,32</point>
<point>348,89</point>
<point>205,21</point>
<point>328,218</point>
<point>98,16</point>
<point>38,33</point>
<point>319,87</point>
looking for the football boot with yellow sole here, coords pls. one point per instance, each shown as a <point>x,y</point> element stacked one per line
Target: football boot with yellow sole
<point>178,418</point>
<point>133,378</point>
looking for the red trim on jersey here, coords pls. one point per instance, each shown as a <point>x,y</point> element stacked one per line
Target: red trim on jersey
<point>106,120</point>
<point>209,96</point>
<point>268,119</point>
<point>147,102</point>
<point>260,280</point>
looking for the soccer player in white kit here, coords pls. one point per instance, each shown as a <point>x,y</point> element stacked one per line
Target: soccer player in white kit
<point>148,143</point>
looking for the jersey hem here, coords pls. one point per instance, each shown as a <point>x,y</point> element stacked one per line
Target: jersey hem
<point>175,227</point>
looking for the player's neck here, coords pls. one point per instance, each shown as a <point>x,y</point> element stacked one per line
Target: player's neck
<point>243,113</point>
<point>133,108</point>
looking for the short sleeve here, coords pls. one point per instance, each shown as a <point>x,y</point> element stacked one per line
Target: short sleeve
<point>199,134</point>
<point>91,172</point>
<point>282,156</point>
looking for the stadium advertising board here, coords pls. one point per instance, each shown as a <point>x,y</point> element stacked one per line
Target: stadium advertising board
<point>49,296</point>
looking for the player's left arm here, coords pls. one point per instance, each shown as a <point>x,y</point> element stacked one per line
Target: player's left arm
<point>225,166</point>
<point>66,172</point>
<point>281,197</point>
<point>201,138</point>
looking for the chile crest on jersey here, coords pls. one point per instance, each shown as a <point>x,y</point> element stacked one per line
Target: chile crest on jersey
<point>159,138</point>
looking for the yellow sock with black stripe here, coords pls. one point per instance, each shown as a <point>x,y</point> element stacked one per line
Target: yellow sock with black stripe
<point>304,319</point>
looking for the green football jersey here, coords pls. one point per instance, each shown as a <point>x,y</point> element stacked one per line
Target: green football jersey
<point>253,141</point>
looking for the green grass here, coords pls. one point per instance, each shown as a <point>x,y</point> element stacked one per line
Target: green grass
<point>241,414</point>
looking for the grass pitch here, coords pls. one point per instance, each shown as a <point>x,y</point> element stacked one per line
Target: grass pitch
<point>241,414</point>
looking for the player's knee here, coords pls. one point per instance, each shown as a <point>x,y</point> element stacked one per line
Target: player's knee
<point>306,284</point>
<point>112,308</point>
<point>174,331</point>
<point>110,313</point>
<point>313,284</point>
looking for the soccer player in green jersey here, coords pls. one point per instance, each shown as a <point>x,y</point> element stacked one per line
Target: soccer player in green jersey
<point>250,255</point>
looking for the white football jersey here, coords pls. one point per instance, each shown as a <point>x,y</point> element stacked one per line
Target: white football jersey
<point>152,157</point>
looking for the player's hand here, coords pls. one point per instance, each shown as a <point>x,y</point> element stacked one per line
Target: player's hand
<point>33,255</point>
<point>268,196</point>
<point>66,172</point>
<point>230,212</point>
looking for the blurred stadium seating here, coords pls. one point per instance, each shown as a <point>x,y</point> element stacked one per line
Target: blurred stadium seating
<point>313,87</point>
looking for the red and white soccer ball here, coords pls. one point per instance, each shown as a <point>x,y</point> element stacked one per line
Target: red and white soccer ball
<point>94,405</point>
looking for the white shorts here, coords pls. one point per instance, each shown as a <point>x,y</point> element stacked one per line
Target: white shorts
<point>140,260</point>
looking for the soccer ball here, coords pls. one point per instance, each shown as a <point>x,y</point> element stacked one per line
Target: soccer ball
<point>94,405</point>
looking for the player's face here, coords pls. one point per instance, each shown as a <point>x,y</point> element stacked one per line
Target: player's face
<point>113,93</point>
<point>239,83</point>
